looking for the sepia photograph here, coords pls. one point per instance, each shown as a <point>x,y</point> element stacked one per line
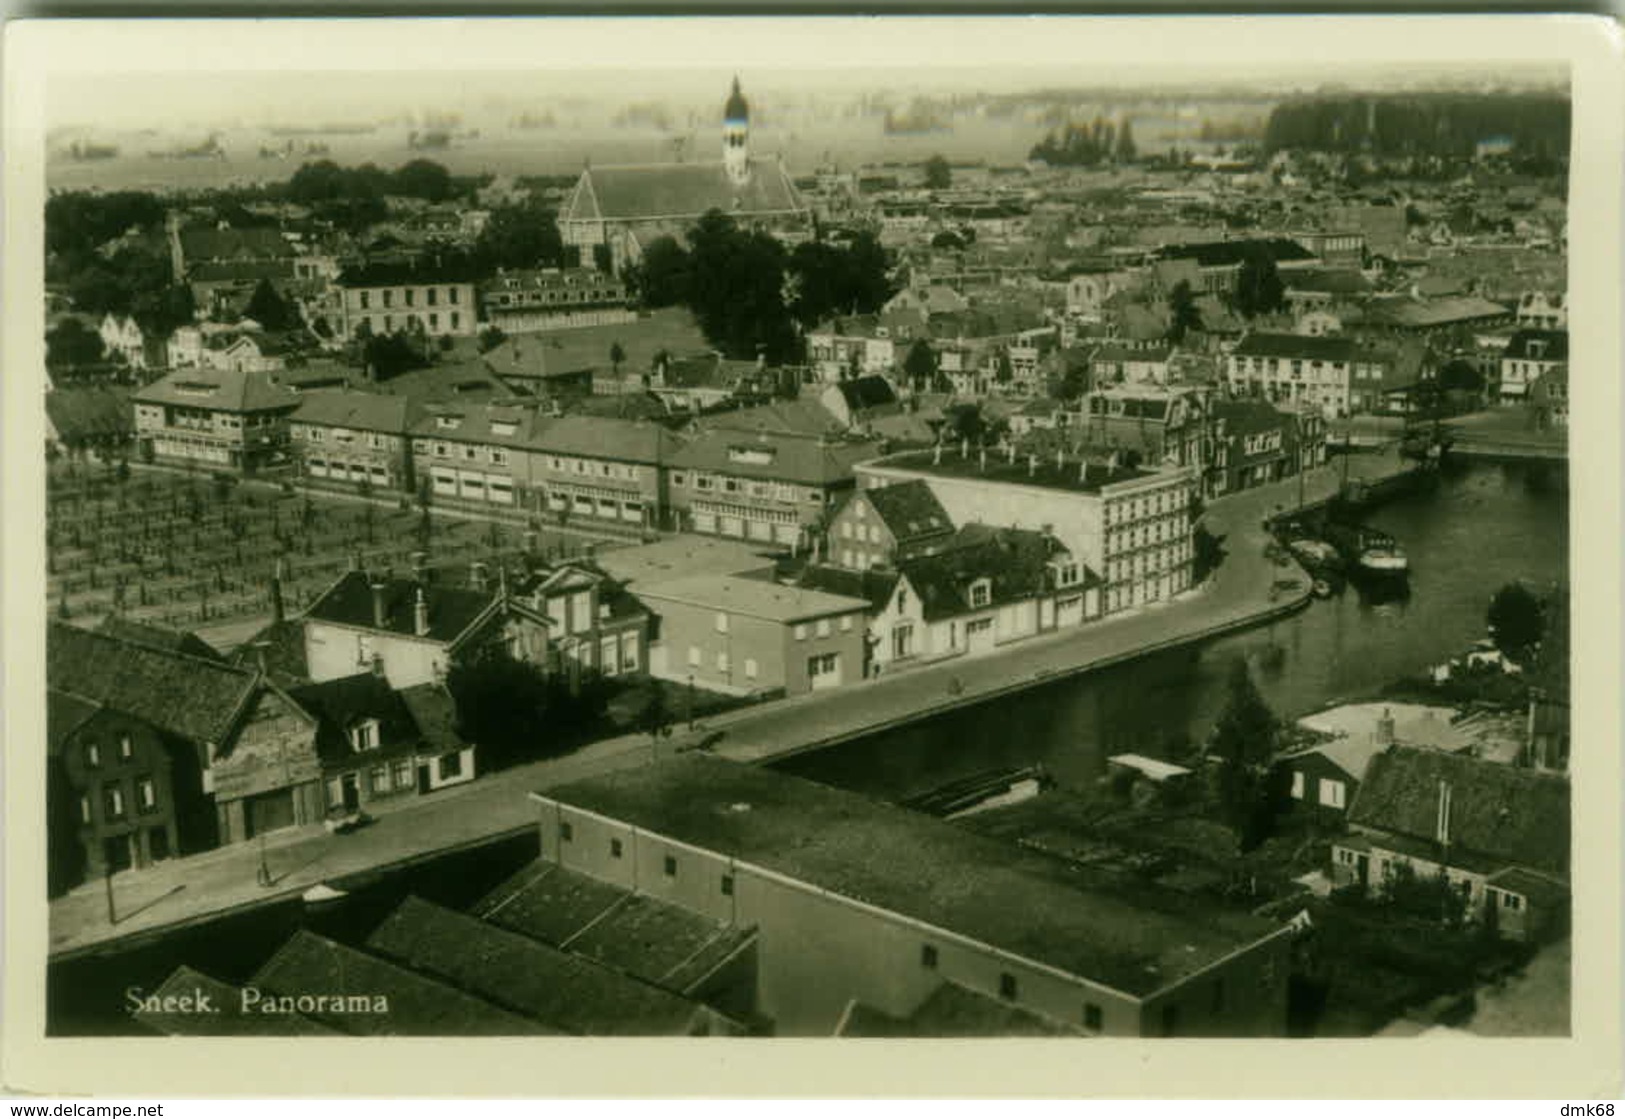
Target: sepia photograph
<point>755,539</point>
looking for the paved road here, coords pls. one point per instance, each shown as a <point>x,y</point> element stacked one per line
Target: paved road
<point>205,885</point>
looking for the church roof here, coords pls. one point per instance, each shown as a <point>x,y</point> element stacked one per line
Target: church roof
<point>680,190</point>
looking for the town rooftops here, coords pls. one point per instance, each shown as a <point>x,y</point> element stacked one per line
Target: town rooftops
<point>1304,347</point>
<point>510,423</point>
<point>934,872</point>
<point>358,411</point>
<point>434,712</point>
<point>874,585</point>
<point>223,390</point>
<point>680,190</point>
<point>1329,281</point>
<point>1249,417</point>
<point>772,456</point>
<point>1081,476</point>
<point>909,509</point>
<point>575,994</point>
<point>197,698</point>
<point>1014,563</point>
<point>1351,755</point>
<point>1117,352</point>
<point>349,602</point>
<point>251,243</point>
<point>805,416</point>
<point>751,597</point>
<point>312,965</point>
<point>1499,815</point>
<point>64,714</point>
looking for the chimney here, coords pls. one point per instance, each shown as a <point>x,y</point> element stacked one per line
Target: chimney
<point>420,615</point>
<point>278,612</point>
<point>477,575</point>
<point>1385,728</point>
<point>1442,831</point>
<point>380,613</point>
<point>378,666</point>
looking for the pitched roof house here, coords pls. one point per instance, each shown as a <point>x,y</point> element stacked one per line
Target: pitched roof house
<point>1499,834</point>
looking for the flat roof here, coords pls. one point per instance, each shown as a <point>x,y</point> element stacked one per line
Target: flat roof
<point>1094,477</point>
<point>756,598</point>
<point>1023,902</point>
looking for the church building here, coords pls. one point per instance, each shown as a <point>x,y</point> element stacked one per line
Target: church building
<point>625,208</point>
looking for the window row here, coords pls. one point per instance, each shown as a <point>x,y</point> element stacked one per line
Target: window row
<point>113,805</point>
<point>342,436</point>
<point>93,751</point>
<point>823,627</point>
<point>431,297</point>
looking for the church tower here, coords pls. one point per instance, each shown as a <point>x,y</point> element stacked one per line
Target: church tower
<point>735,137</point>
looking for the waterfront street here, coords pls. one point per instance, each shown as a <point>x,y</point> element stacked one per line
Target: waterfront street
<point>202,886</point>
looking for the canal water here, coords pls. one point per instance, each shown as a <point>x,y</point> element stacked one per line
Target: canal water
<point>1477,527</point>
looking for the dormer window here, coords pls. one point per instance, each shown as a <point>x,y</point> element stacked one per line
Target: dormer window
<point>981,592</point>
<point>364,736</point>
<point>449,423</point>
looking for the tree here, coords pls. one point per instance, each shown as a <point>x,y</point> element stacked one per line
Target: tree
<point>1183,313</point>
<point>1259,289</point>
<point>655,718</point>
<point>522,235</point>
<point>1003,372</point>
<point>938,175</point>
<point>502,704</point>
<point>920,364</point>
<point>491,337</point>
<point>1243,744</point>
<point>423,178</point>
<point>1516,621</point>
<point>662,276</point>
<point>736,290</point>
<point>269,309</point>
<point>70,344</point>
<point>1459,375</point>
<point>617,354</point>
<point>1126,151</point>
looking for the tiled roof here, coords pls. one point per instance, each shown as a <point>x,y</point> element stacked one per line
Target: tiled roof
<point>503,423</point>
<point>1116,351</point>
<point>639,441</point>
<point>79,414</point>
<point>1134,938</point>
<point>810,461</point>
<point>239,271</point>
<point>1497,812</point>
<point>64,714</point>
<point>1408,312</point>
<point>458,383</point>
<point>680,190</point>
<point>435,713</point>
<point>1249,417</point>
<point>1331,281</point>
<point>283,645</point>
<point>1015,562</point>
<point>805,416</point>
<point>229,1018</point>
<point>1218,254</point>
<point>451,609</point>
<point>193,697</point>
<point>225,390</point>
<point>1306,347</point>
<point>751,597</point>
<point>564,990</point>
<point>874,586</point>
<point>867,392</point>
<point>309,964</point>
<point>910,510</point>
<point>359,411</point>
<point>233,244</point>
<point>1094,474</point>
<point>158,637</point>
<point>342,703</point>
<point>390,274</point>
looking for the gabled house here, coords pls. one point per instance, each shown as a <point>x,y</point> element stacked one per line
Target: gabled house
<point>596,625</point>
<point>990,586</point>
<point>859,402</point>
<point>369,743</point>
<point>885,525</point>
<point>1529,356</point>
<point>124,340</point>
<point>415,628</point>
<point>1498,834</point>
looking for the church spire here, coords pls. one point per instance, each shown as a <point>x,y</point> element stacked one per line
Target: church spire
<point>736,137</point>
